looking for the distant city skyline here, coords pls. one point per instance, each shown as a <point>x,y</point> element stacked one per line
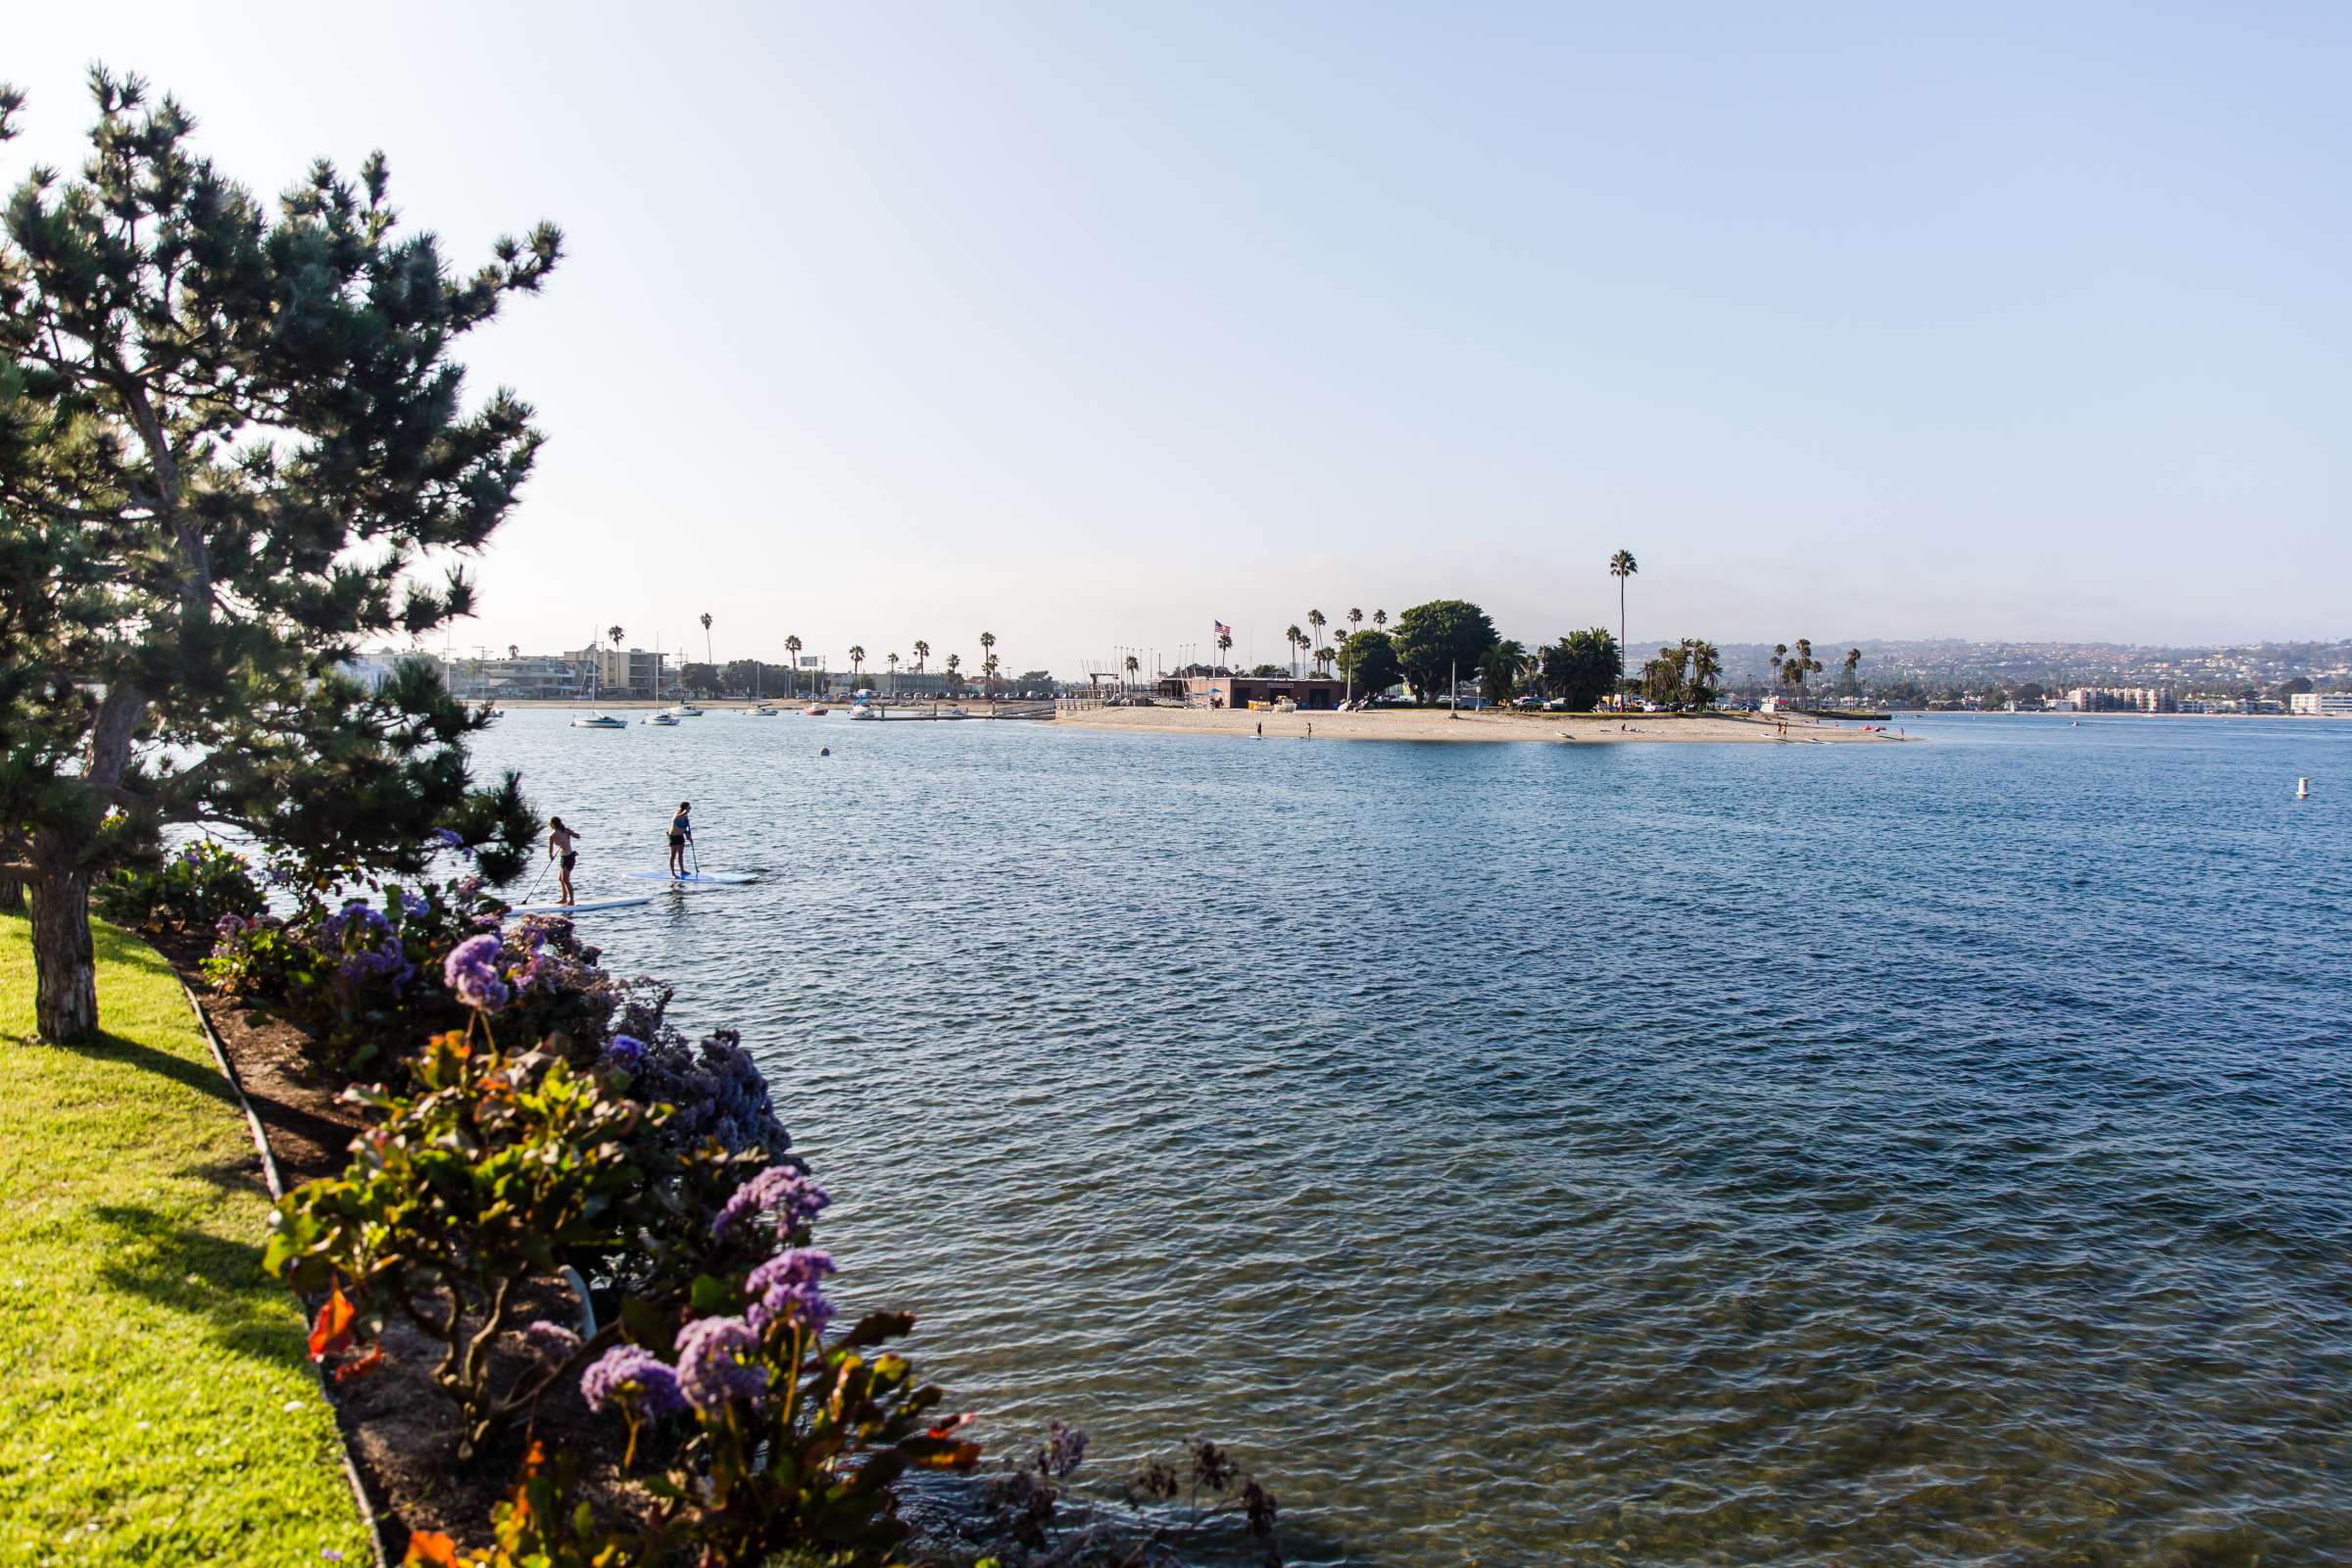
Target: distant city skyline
<point>1087,327</point>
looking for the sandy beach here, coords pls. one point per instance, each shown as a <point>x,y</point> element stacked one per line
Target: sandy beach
<point>1432,724</point>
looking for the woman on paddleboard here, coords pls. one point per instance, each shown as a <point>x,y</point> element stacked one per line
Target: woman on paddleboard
<point>681,834</point>
<point>561,842</point>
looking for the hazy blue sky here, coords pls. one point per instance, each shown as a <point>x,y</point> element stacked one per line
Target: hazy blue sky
<point>1088,323</point>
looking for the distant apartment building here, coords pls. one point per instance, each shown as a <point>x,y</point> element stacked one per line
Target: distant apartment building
<point>521,678</point>
<point>2123,699</point>
<point>635,672</point>
<point>2334,705</point>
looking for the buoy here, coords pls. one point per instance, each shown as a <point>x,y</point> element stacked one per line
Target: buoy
<point>2303,789</point>
<point>824,751</point>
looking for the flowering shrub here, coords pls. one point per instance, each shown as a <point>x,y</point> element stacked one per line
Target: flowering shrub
<point>195,887</point>
<point>502,1167</point>
<point>793,1439</point>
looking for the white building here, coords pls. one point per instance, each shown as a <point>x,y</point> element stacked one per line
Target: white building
<point>2334,704</point>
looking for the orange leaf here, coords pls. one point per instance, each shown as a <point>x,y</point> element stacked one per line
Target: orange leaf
<point>364,1365</point>
<point>431,1547</point>
<point>333,1330</point>
<point>533,1461</point>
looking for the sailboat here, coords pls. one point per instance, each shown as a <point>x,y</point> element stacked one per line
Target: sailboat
<point>595,720</point>
<point>660,716</point>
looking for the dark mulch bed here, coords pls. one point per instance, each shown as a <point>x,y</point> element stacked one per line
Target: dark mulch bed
<point>402,1430</point>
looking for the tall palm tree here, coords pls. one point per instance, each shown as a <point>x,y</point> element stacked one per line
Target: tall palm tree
<point>1380,621</point>
<point>514,650</point>
<point>1297,640</point>
<point>922,655</point>
<point>1314,618</point>
<point>707,658</point>
<point>1622,566</point>
<point>1853,657</point>
<point>988,647</point>
<point>1224,645</point>
<point>892,660</point>
<point>1356,619</point>
<point>857,662</point>
<point>616,633</point>
<point>954,661</point>
<point>1133,664</point>
<point>792,646</point>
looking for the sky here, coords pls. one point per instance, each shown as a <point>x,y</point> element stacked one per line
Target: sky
<point>1089,325</point>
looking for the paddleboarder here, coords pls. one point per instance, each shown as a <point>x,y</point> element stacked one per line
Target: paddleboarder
<point>681,834</point>
<point>561,842</point>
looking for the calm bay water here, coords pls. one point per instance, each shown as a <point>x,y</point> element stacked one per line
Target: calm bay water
<point>1530,1154</point>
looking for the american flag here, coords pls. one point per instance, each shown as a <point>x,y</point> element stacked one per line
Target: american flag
<point>1223,631</point>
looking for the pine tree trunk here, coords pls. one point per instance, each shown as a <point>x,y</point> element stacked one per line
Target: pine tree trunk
<point>65,965</point>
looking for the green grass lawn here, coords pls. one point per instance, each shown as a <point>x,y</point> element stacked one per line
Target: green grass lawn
<point>156,1402</point>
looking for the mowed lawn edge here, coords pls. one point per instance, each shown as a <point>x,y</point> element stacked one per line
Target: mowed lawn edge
<point>156,1404</point>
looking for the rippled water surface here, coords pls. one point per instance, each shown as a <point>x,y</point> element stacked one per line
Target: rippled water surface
<point>1533,1154</point>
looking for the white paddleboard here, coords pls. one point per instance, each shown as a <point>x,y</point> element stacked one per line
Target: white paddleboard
<point>722,879</point>
<point>575,908</point>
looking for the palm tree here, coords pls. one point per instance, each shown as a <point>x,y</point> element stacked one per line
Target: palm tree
<point>1314,618</point>
<point>892,660</point>
<point>1297,640</point>
<point>1780,651</point>
<point>1133,664</point>
<point>988,645</point>
<point>792,646</point>
<point>1706,663</point>
<point>514,650</point>
<point>1356,619</point>
<point>707,658</point>
<point>954,661</point>
<point>616,633</point>
<point>1224,645</point>
<point>1380,619</point>
<point>1622,566</point>
<point>857,662</point>
<point>922,653</point>
<point>1853,657</point>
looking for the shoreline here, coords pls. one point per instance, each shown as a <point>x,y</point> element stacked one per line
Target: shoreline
<point>1489,726</point>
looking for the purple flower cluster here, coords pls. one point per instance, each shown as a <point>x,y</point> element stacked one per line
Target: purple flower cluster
<point>358,920</point>
<point>636,1381</point>
<point>626,1049</point>
<point>228,926</point>
<point>417,905</point>
<point>719,1090</point>
<point>713,1364</point>
<point>790,1197</point>
<point>449,839</point>
<point>471,972</point>
<point>785,1288</point>
<point>372,952</point>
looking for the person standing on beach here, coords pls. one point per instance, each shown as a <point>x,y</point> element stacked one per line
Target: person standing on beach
<point>559,848</point>
<point>681,834</point>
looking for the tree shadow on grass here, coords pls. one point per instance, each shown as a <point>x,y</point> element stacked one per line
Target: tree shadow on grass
<point>199,1075</point>
<point>217,1284</point>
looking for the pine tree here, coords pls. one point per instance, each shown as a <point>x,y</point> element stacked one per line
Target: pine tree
<point>231,437</point>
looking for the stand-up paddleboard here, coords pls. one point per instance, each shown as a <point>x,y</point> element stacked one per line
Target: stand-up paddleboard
<point>575,908</point>
<point>721,878</point>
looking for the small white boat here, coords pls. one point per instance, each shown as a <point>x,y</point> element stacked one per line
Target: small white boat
<point>684,710</point>
<point>815,710</point>
<point>665,718</point>
<point>764,711</point>
<point>599,722</point>
<point>864,712</point>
